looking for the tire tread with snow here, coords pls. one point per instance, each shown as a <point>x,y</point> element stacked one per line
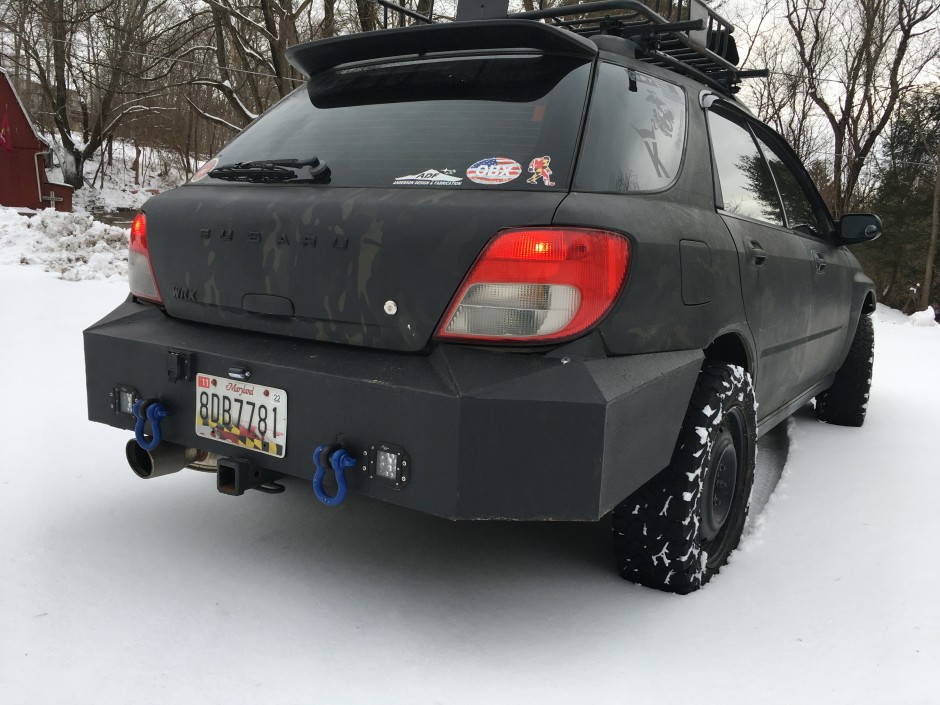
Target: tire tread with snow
<point>658,533</point>
<point>846,401</point>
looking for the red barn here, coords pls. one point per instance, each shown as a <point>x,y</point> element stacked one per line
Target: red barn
<point>23,181</point>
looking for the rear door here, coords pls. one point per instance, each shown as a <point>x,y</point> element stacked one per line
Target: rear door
<point>776,278</point>
<point>809,220</point>
<point>428,159</point>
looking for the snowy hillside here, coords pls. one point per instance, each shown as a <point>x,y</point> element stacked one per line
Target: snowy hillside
<point>160,170</point>
<point>119,590</point>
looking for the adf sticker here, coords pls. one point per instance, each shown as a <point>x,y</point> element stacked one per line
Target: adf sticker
<point>539,168</point>
<point>431,177</point>
<point>494,170</point>
<point>204,169</point>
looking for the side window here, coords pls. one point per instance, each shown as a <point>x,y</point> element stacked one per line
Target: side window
<point>747,187</point>
<point>801,215</point>
<point>635,133</point>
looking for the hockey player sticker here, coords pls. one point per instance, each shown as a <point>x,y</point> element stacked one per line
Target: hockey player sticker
<point>494,170</point>
<point>539,168</point>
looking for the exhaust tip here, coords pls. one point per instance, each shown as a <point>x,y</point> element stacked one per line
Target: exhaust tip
<point>140,460</point>
<point>165,459</point>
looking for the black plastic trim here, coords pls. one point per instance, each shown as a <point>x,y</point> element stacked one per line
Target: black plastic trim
<point>785,411</point>
<point>315,57</point>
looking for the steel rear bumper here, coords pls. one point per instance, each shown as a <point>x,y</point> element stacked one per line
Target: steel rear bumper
<point>491,435</point>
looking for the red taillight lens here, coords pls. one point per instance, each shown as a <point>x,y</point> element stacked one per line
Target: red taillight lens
<point>143,283</point>
<point>539,285</point>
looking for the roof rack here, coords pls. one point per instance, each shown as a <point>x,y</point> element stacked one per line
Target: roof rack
<point>685,36</point>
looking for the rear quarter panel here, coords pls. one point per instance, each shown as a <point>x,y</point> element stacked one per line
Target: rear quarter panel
<point>653,313</point>
<point>650,315</point>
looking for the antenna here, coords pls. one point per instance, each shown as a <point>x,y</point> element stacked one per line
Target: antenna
<point>468,10</point>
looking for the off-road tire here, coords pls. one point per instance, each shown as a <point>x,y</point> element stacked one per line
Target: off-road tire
<point>846,401</point>
<point>659,532</point>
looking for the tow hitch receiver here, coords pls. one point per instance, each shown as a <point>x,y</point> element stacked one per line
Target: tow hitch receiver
<point>238,475</point>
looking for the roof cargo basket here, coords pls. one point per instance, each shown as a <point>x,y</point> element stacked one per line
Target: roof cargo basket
<point>685,36</point>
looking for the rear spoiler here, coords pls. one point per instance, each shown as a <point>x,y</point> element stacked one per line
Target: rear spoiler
<point>315,57</point>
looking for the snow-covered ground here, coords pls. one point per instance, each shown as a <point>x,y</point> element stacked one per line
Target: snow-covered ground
<point>118,590</point>
<point>73,245</point>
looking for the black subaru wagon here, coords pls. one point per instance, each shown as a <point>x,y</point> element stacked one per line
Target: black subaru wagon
<point>536,267</point>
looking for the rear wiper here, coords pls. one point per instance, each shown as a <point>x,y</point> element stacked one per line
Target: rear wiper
<point>274,170</point>
<point>252,171</point>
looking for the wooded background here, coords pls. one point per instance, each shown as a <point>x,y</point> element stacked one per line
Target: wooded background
<point>854,86</point>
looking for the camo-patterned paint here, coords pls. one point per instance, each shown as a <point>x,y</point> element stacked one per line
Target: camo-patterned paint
<point>337,254</point>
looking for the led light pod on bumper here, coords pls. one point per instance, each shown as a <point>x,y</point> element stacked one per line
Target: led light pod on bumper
<point>539,285</point>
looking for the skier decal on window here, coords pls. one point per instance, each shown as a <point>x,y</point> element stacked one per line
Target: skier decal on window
<point>662,120</point>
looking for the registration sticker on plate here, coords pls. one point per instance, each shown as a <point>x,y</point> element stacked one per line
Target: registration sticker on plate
<point>246,415</point>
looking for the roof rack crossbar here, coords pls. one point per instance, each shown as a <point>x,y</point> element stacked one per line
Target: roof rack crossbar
<point>750,73</point>
<point>405,12</point>
<point>587,7</point>
<point>645,30</point>
<point>632,29</point>
<point>710,80</point>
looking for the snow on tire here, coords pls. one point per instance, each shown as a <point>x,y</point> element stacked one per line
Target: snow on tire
<point>846,401</point>
<point>678,529</point>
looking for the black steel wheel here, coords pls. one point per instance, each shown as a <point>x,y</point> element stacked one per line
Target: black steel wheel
<point>722,492</point>
<point>679,529</point>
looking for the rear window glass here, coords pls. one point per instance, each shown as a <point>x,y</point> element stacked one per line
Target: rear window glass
<point>497,122</point>
<point>747,187</point>
<point>635,133</point>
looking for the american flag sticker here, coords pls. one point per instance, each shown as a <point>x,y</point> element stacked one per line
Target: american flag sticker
<point>494,170</point>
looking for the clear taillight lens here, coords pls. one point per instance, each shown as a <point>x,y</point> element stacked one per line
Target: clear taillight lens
<point>538,285</point>
<point>140,276</point>
<point>499,310</point>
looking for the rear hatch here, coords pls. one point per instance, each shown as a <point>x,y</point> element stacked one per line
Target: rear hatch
<point>428,159</point>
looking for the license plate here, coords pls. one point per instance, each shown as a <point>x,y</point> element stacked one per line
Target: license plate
<point>246,415</point>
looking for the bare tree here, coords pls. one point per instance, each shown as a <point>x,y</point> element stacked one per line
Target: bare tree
<point>856,59</point>
<point>89,59</point>
<point>932,247</point>
<point>244,41</point>
<point>781,99</point>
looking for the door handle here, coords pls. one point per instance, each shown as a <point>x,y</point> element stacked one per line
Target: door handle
<point>820,262</point>
<point>758,253</point>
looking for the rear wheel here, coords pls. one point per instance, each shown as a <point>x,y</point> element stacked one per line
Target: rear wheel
<point>676,531</point>
<point>846,401</point>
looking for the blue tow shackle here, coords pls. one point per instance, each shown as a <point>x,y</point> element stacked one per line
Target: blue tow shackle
<point>340,461</point>
<point>153,411</point>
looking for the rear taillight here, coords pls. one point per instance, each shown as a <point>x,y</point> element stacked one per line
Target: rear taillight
<point>140,276</point>
<point>538,285</point>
